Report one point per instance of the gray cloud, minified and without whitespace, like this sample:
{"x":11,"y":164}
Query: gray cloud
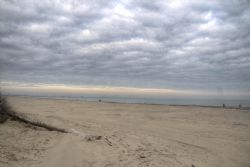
{"x":159,"y":44}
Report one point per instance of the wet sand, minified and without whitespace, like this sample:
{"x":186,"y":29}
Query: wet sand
{"x":131,"y":135}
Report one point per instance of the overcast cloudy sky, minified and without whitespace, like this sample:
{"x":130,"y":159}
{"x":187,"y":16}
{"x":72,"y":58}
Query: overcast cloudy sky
{"x":179,"y":44}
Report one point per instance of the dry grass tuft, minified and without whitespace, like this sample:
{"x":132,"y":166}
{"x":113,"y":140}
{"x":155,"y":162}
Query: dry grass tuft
{"x":6,"y":112}
{"x":4,"y":109}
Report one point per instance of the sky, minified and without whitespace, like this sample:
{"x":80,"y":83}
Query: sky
{"x":161,"y":45}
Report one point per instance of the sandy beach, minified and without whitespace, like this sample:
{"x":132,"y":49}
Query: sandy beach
{"x":127,"y":135}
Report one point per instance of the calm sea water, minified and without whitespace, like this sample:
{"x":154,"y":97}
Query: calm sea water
{"x":173,"y":101}
{"x":151,"y":100}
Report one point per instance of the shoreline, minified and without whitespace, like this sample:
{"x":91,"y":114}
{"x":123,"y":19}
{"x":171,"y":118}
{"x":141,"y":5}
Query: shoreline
{"x":137,"y":103}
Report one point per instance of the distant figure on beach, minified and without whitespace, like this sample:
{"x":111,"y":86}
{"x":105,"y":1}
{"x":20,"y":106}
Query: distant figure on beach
{"x":224,"y":105}
{"x":100,"y":100}
{"x":240,"y":106}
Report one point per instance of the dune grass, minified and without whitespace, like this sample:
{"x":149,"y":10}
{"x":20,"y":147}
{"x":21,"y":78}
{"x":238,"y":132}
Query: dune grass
{"x":6,"y":112}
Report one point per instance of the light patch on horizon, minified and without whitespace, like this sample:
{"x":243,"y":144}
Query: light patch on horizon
{"x":67,"y":90}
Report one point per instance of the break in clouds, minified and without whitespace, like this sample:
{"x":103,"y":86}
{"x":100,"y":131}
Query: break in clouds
{"x":158,"y":44}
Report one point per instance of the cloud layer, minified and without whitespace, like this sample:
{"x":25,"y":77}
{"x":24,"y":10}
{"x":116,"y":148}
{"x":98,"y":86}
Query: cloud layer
{"x":156,"y":44}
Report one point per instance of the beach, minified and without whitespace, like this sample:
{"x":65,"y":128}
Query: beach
{"x":102,"y":134}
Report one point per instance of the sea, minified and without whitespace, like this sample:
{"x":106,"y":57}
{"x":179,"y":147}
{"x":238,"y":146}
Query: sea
{"x":161,"y":100}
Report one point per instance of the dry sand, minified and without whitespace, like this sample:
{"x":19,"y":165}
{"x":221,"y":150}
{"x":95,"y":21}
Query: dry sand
{"x":132,"y":135}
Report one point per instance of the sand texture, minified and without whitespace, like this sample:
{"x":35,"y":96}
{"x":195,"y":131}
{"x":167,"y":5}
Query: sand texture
{"x":125,"y":135}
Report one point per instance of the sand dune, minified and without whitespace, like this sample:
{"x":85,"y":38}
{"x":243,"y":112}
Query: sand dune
{"x":131,"y":135}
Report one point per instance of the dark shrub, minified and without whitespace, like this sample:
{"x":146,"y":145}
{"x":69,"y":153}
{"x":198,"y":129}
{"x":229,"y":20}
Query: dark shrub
{"x":4,"y":109}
